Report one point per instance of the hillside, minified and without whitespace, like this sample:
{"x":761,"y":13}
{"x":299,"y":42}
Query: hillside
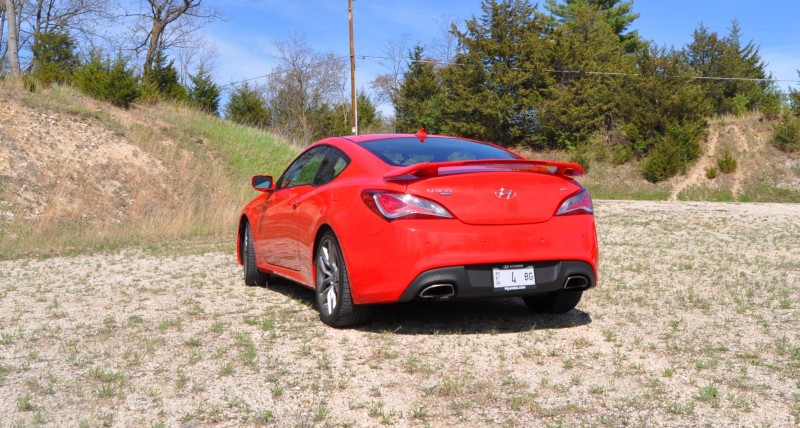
{"x":763,"y":173}
{"x":76,"y":174}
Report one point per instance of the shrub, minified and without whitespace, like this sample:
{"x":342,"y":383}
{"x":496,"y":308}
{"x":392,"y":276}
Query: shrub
{"x":726,"y":163}
{"x":711,"y":173}
{"x":54,"y":59}
{"x":161,"y":81}
{"x":204,"y":93}
{"x":673,"y":152}
{"x":108,"y":80}
{"x":740,"y":102}
{"x":580,"y":154}
{"x":247,"y":107}
{"x":786,"y":134}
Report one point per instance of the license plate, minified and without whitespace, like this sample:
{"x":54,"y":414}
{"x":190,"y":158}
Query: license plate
{"x":517,"y":278}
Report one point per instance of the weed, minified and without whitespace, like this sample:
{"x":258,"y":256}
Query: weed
{"x":226,"y":369}
{"x":709,"y":394}
{"x":24,"y":404}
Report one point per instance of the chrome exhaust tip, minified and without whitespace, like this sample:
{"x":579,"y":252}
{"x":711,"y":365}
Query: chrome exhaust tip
{"x":574,"y":282}
{"x":438,"y":291}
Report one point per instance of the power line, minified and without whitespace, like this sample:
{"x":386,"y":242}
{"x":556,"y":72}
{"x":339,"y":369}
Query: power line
{"x":585,"y":72}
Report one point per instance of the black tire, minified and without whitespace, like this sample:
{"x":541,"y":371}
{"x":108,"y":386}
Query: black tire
{"x":334,"y":301}
{"x":252,"y":276}
{"x":557,"y":302}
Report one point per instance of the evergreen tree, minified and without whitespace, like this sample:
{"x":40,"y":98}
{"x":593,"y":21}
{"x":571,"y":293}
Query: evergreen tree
{"x":616,"y":13}
{"x":336,"y":120}
{"x":204,"y":93}
{"x":665,"y":113}
{"x":714,"y":57}
{"x":417,"y":101}
{"x":54,"y":58}
{"x":108,"y":80}
{"x":794,"y":99}
{"x":161,"y":81}
{"x":248,"y":107}
{"x":493,"y":89}
{"x":585,"y":100}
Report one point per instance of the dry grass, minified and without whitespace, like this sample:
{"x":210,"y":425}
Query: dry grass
{"x":88,"y":176}
{"x":692,"y":325}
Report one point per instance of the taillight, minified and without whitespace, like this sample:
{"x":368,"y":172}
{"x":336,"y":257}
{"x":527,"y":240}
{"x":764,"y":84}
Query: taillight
{"x":403,"y":205}
{"x":578,"y":204}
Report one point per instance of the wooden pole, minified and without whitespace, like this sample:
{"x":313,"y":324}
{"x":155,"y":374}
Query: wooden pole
{"x":353,"y":71}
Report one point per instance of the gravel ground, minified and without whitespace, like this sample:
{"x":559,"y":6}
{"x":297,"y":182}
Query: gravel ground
{"x":694,"y":324}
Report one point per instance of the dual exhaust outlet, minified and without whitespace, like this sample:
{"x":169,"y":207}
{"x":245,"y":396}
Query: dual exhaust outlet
{"x":442,"y":291}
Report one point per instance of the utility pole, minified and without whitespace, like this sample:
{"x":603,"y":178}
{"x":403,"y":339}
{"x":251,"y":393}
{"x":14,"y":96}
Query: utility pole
{"x":353,"y":70}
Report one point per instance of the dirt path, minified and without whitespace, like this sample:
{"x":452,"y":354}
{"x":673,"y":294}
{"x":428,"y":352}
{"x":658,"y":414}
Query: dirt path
{"x":698,"y":172}
{"x":687,"y":328}
{"x":743,"y":148}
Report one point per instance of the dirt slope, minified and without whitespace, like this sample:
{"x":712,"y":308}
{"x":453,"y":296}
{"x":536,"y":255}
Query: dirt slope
{"x":67,"y":166}
{"x":763,"y":173}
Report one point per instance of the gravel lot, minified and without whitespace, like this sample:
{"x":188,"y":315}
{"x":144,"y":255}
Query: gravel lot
{"x":694,"y":324}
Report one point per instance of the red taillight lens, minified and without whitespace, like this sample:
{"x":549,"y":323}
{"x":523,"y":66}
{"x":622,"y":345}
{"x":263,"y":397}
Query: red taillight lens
{"x":578,"y":204}
{"x":402,"y":205}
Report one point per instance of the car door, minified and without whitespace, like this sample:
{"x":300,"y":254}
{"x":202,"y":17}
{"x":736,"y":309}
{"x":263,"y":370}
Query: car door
{"x":278,"y":226}
{"x":316,"y":203}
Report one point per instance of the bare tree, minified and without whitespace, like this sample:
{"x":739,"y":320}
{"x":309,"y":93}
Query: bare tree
{"x":166,"y":24}
{"x":444,"y":47}
{"x":304,"y":82}
{"x":78,"y":17}
{"x":204,"y":57}
{"x":385,"y":85}
{"x":12,"y":47}
{"x":2,"y":31}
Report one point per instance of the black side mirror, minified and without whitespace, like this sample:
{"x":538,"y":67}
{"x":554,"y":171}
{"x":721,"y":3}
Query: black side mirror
{"x":263,"y":183}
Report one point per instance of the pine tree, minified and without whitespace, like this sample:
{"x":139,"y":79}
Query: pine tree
{"x":204,"y":93}
{"x":584,"y":101}
{"x":417,"y":101}
{"x":54,"y":58}
{"x":794,"y":99}
{"x":108,"y":80}
{"x":715,"y":57}
{"x":492,"y":90}
{"x":247,"y":107}
{"x":618,"y":15}
{"x":161,"y":81}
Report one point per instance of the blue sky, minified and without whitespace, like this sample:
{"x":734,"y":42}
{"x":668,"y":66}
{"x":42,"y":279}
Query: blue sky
{"x":244,"y":41}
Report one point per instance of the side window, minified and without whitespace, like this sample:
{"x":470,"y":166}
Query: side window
{"x":304,"y":169}
{"x":334,"y":163}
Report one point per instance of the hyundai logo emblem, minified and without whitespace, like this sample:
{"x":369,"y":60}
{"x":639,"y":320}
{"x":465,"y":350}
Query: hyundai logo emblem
{"x":505,"y":193}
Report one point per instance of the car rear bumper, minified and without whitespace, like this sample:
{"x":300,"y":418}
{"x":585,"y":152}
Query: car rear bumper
{"x":476,"y":282}
{"x":404,"y":257}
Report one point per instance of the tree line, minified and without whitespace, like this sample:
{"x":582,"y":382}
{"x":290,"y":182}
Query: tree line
{"x":571,"y":76}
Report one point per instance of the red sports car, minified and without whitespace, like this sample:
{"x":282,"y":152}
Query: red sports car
{"x":372,"y":219}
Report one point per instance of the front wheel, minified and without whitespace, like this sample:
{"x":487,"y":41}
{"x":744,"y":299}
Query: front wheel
{"x":334,"y":301}
{"x":557,"y":302}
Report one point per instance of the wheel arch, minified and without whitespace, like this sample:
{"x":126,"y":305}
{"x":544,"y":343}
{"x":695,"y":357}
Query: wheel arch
{"x":243,"y":222}
{"x":324,"y":227}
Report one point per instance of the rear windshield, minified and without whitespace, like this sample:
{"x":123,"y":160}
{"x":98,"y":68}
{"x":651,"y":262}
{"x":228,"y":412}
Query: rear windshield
{"x":409,"y":151}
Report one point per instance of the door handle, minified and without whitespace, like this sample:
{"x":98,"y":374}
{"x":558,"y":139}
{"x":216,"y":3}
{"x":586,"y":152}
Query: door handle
{"x":294,"y":205}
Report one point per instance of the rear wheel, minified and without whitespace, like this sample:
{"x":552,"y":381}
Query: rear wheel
{"x":252,"y":276}
{"x":334,"y":301}
{"x":557,"y":302}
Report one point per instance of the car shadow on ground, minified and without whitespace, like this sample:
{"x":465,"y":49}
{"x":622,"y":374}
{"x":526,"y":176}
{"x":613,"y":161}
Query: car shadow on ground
{"x":492,"y":316}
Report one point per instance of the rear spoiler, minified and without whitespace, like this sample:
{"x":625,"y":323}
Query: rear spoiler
{"x":429,"y":169}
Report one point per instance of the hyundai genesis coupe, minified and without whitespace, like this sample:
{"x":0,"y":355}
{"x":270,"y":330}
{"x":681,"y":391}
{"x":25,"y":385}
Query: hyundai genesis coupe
{"x":373,"y":219}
